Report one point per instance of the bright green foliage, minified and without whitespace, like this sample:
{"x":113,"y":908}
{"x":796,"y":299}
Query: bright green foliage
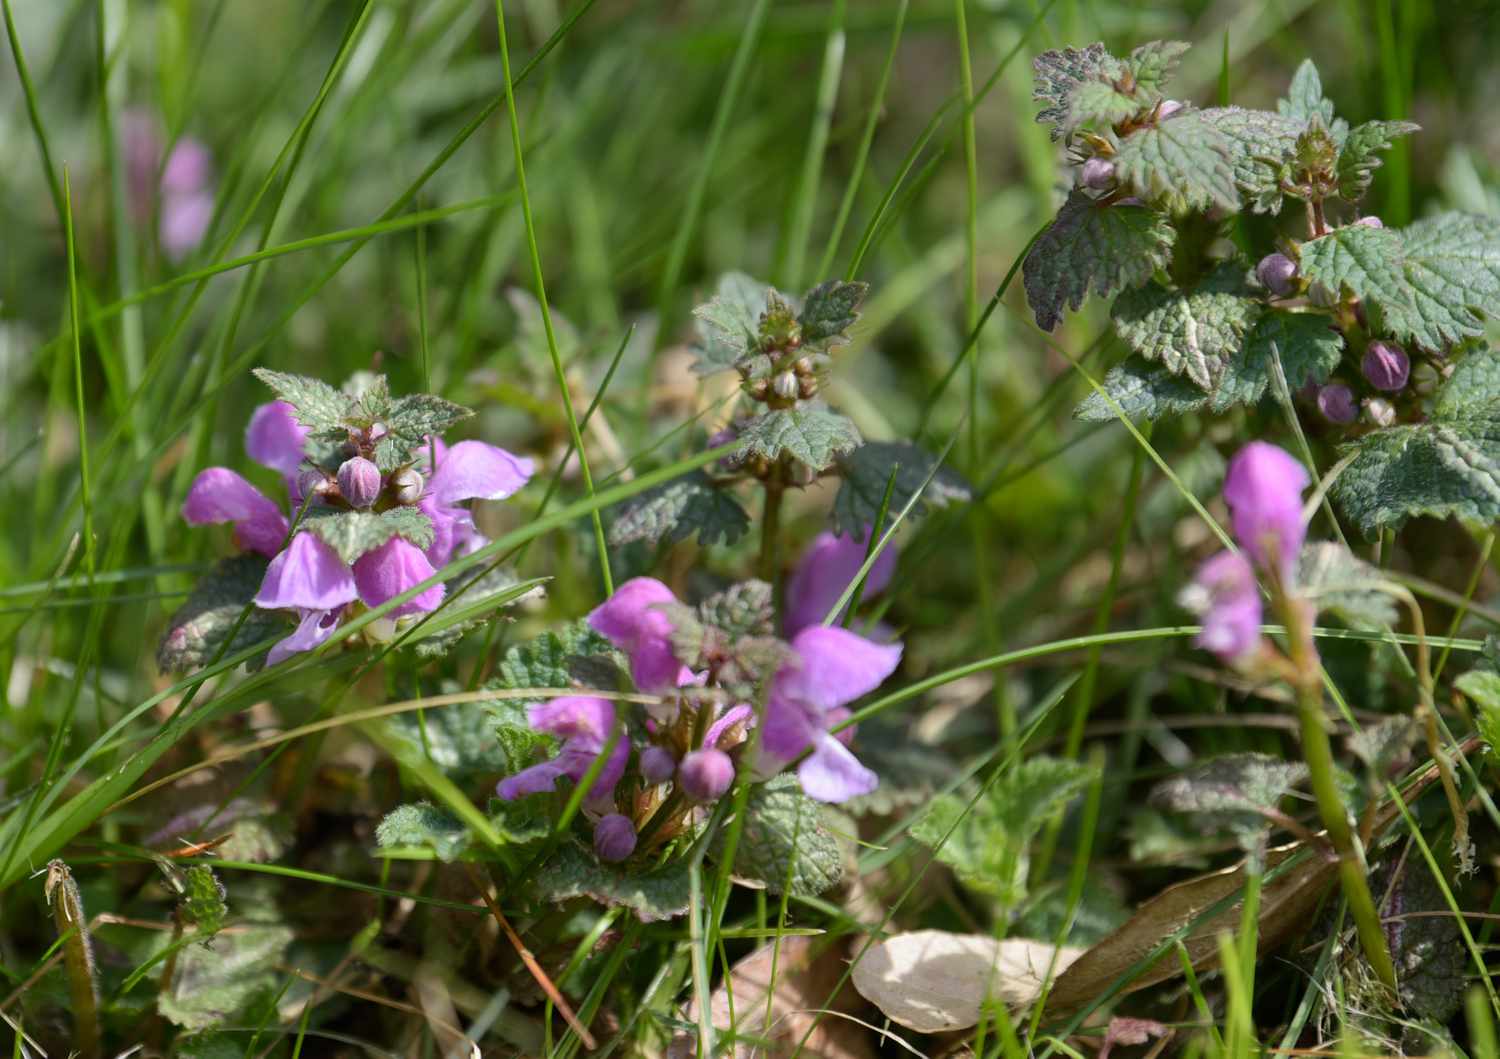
{"x":1231,"y":793}
{"x":1364,"y":261}
{"x":1192,"y":332}
{"x":1153,"y":64}
{"x":1181,"y":163}
{"x":419,"y":414}
{"x":743,"y":609}
{"x":1482,"y":685}
{"x":197,"y":631}
{"x":474,"y":596}
{"x":1343,"y":584}
{"x":867,"y":471}
{"x":811,"y":433}
{"x":353,"y":533}
{"x":203,"y":900}
{"x":1305,"y":101}
{"x":989,"y":844}
{"x":676,"y":510}
{"x":1306,"y":343}
{"x":1143,"y":391}
{"x":215,"y":983}
{"x":1260,"y":146}
{"x":1452,"y":267}
{"x":829,"y":310}
{"x":571,"y":654}
{"x":423,"y":825}
{"x":1095,"y":248}
{"x":728,"y":324}
{"x":319,"y":407}
{"x":1059,"y":74}
{"x":1089,"y":88}
{"x":1359,"y":154}
{"x":784,"y":839}
{"x":656,"y":894}
{"x":1446,"y":466}
{"x":472,"y":740}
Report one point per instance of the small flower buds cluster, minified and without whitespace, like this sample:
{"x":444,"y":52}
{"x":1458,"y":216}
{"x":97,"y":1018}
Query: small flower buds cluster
{"x":795,"y":383}
{"x":1278,"y":274}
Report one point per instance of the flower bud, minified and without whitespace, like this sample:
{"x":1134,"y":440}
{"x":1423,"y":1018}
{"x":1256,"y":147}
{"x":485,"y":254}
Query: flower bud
{"x":407,"y":485}
{"x":807,"y":387}
{"x":359,"y":481}
{"x":614,"y":837}
{"x":1336,"y":402}
{"x":657,"y":764}
{"x":1168,"y":108}
{"x":758,"y":389}
{"x":1097,"y":174}
{"x":785,"y":386}
{"x":1380,"y":411}
{"x":1371,"y":221}
{"x":1386,"y":366}
{"x":1425,"y":379}
{"x":1276,"y":273}
{"x":312,"y":482}
{"x":706,"y":774}
{"x":803,"y":366}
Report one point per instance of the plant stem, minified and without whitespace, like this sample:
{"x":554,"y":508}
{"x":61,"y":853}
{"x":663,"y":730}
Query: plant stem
{"x":770,"y":530}
{"x":78,"y":957}
{"x":1317,"y":751}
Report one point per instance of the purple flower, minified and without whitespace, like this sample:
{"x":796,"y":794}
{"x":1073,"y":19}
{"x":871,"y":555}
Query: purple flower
{"x":1097,"y":174}
{"x":1336,"y":402}
{"x":706,"y":774}
{"x":584,"y":724}
{"x":391,"y":569}
{"x":359,"y":481}
{"x":314,"y":627}
{"x":220,"y":495}
{"x":307,"y":575}
{"x":1386,"y":366}
{"x":181,"y":187}
{"x":275,"y":439}
{"x":826,"y":569}
{"x":657,"y":764}
{"x":470,"y":470}
{"x":1225,"y":595}
{"x":632,"y":619}
{"x":833,"y":667}
{"x":1276,"y":273}
{"x":614,"y":837}
{"x":1264,"y":491}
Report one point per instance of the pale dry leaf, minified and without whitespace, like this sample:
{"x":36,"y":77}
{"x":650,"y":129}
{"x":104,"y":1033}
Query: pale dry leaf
{"x":932,"y":981}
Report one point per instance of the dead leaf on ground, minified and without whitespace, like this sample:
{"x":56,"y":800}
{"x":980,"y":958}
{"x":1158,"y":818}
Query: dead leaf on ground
{"x":933,"y":981}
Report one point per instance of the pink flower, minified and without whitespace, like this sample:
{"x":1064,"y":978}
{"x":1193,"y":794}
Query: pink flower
{"x":833,"y":667}
{"x":469,"y":470}
{"x":584,"y":724}
{"x":220,"y":495}
{"x":180,"y":187}
{"x":632,"y":619}
{"x":391,"y":569}
{"x":826,"y":569}
{"x":1264,"y":491}
{"x":1225,"y":595}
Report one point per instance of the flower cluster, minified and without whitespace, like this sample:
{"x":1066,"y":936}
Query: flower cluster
{"x":307,"y":575}
{"x":698,"y":741}
{"x":1264,"y":492}
{"x":178,"y":188}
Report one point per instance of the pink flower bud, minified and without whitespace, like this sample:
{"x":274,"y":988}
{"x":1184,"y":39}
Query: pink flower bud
{"x":312,"y":482}
{"x":1371,"y":221}
{"x":1168,"y":108}
{"x":614,"y":837}
{"x":657,"y":764}
{"x":1276,"y":273}
{"x":1336,"y":402}
{"x":706,"y":774}
{"x":359,"y":481}
{"x":1380,"y":411}
{"x":1386,"y":366}
{"x":1097,"y":174}
{"x":1264,"y":491}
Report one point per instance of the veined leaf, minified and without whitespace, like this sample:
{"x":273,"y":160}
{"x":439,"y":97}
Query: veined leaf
{"x":1309,"y":348}
{"x":810,"y":433}
{"x":678,"y":509}
{"x":1261,"y":145}
{"x":353,"y":533}
{"x":728,"y":324}
{"x":318,"y":406}
{"x":867,"y":471}
{"x":1359,"y":154}
{"x":1183,"y":163}
{"x":1143,"y":390}
{"x":1192,"y":332}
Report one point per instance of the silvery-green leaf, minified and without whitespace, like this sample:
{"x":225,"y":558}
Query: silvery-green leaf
{"x":1143,"y":390}
{"x":675,"y":510}
{"x":353,"y":533}
{"x":654,"y":894}
{"x":1190,"y":332}
{"x":319,"y":407}
{"x":810,"y":433}
{"x":1307,"y":343}
{"x":1181,"y":163}
{"x":1339,"y":582}
{"x":830,"y":309}
{"x":1360,"y":151}
{"x":728,"y":325}
{"x":424,"y":826}
{"x":784,"y":836}
{"x":197,"y":631}
{"x":1261,"y":145}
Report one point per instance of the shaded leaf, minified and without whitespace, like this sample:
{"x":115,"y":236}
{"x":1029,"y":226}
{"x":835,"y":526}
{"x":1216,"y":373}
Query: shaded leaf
{"x":743,"y":609}
{"x":1058,"y":73}
{"x":932,"y":981}
{"x":202,"y":900}
{"x":1231,"y":792}
{"x":424,"y":826}
{"x":1424,"y":940}
{"x":1143,"y":390}
{"x":830,"y":309}
{"x":1339,"y":582}
{"x":811,"y":433}
{"x":1182,"y":163}
{"x":1474,"y":386}
{"x":676,"y":510}
{"x":1359,"y":154}
{"x":1192,"y":332}
{"x":214,"y":983}
{"x":867,"y":471}
{"x":657,"y":894}
{"x":1441,"y":468}
{"x":198,"y":629}
{"x":1309,"y":348}
{"x":1092,"y":248}
{"x":784,"y":835}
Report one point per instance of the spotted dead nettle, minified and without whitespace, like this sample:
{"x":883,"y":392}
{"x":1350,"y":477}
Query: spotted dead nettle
{"x":389,"y":494}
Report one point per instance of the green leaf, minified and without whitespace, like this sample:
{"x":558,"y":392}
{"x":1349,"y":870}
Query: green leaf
{"x":1364,"y":261}
{"x":1143,"y":390}
{"x":830,"y":309}
{"x":1182,"y":163}
{"x":423,"y":825}
{"x":420,"y":414}
{"x":1153,"y":63}
{"x":867,"y":471}
{"x":202,"y":902}
{"x":1482,"y":685}
{"x":1474,"y":386}
{"x":1358,"y":155}
{"x":1441,"y":468}
{"x":676,"y":510}
{"x":1099,"y":104}
{"x":353,"y":533}
{"x":1261,"y":145}
{"x":197,"y":631}
{"x":659,"y":893}
{"x":318,"y":406}
{"x":1232,"y":792}
{"x":1059,"y":73}
{"x":571,"y":655}
{"x":728,"y":325}
{"x":741,"y":610}
{"x":1305,"y":97}
{"x":1340,"y":583}
{"x":989,"y":845}
{"x":1192,"y":332}
{"x":1309,"y":348}
{"x":784,"y":833}
{"x":1452,"y":268}
{"x":1092,"y":247}
{"x":810,"y":433}
{"x":213,"y":984}
{"x":1432,"y":965}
